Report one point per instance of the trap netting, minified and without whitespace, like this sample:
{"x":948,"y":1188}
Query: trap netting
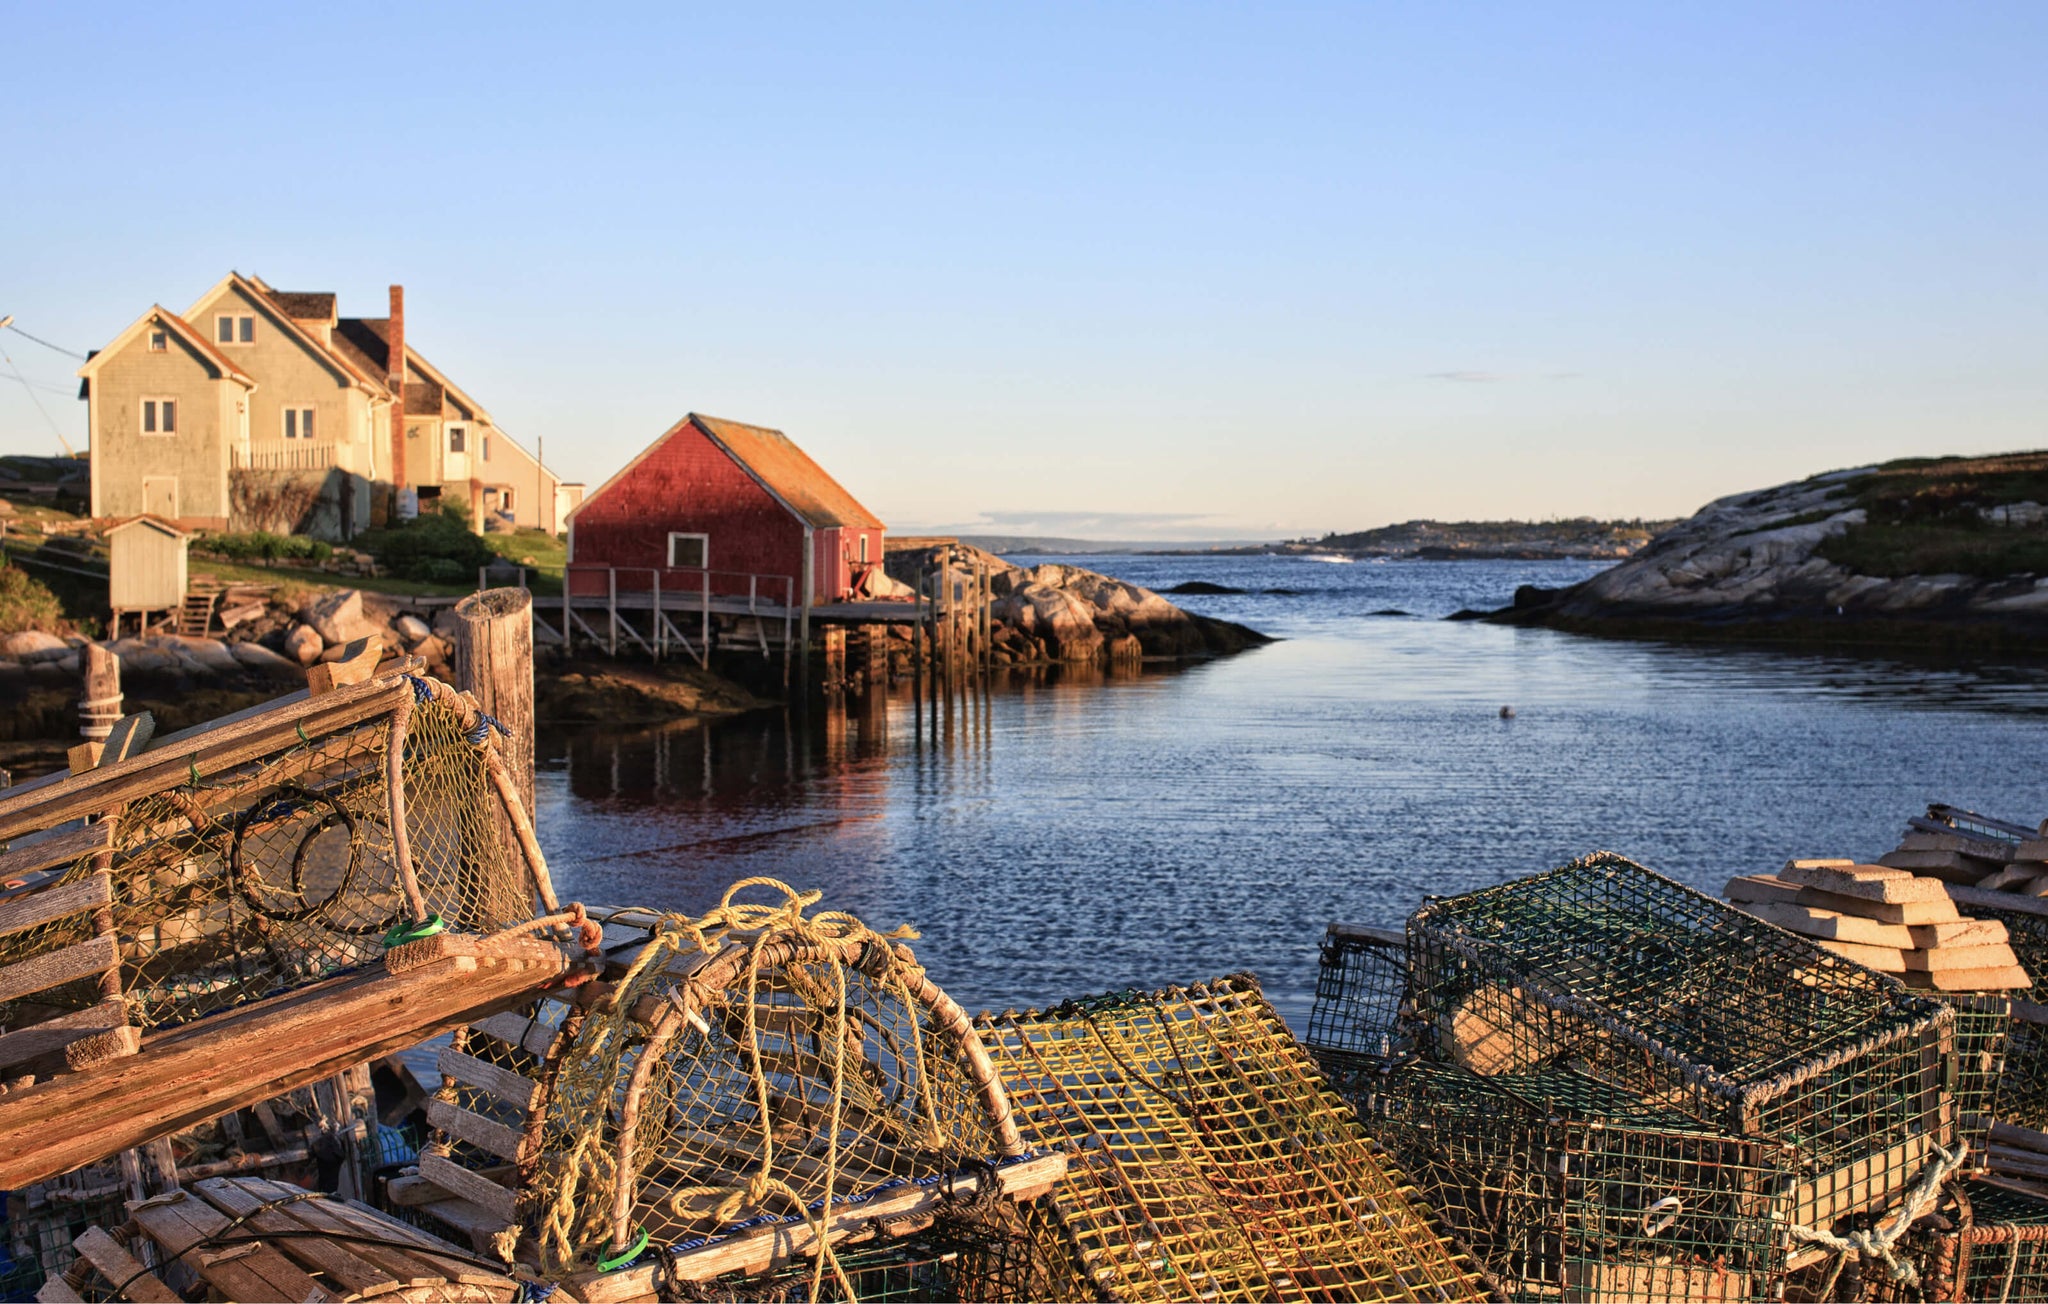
{"x":756,"y":1067}
{"x":258,"y":855}
{"x":1212,"y":1162}
{"x":1636,"y":981}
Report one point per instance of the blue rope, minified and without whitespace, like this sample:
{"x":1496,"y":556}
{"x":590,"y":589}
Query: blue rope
{"x":533,"y":1292}
{"x":485,"y":722}
{"x":422,"y":691}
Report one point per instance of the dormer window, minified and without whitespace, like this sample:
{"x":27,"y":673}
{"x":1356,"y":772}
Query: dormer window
{"x":159,"y":342}
{"x":234,"y":330}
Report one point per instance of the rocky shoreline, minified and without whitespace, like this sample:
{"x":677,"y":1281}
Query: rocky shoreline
{"x":1766,"y":566}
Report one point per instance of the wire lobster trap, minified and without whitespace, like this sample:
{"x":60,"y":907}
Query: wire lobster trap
{"x":1606,"y":968}
{"x":1213,"y":1163}
{"x":1361,"y":993}
{"x":253,"y":856}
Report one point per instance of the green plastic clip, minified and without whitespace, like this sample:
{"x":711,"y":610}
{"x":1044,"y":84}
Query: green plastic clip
{"x":626,"y":1256}
{"x":404,"y":933}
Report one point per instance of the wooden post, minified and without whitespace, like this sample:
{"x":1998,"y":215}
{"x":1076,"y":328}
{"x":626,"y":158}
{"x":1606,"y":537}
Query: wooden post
{"x":493,"y":661}
{"x":659,"y":618}
{"x":611,"y":609}
{"x":917,"y":661}
{"x":101,"y":704}
{"x":568,"y":583}
{"x":704,"y":596}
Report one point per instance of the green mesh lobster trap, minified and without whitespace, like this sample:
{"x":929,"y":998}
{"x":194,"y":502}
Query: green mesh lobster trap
{"x":1692,"y":1008}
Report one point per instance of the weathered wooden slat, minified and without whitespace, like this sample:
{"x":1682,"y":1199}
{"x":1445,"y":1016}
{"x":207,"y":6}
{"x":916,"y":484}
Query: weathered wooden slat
{"x":1983,"y":900}
{"x":202,"y":1070}
{"x":760,"y":1248}
{"x":123,"y":1271}
{"x":485,"y":1076}
{"x":58,"y":1291}
{"x":370,"y":1239}
{"x":182,"y":1221}
{"x":130,"y":735}
{"x":40,"y":973}
{"x":427,"y":1253}
{"x":530,"y":1035}
{"x":479,"y":1131}
{"x":55,"y":1034}
{"x":480,"y":1191}
{"x":57,"y":849}
{"x":24,"y":912}
{"x":221,"y":746}
{"x":346,"y":1269}
{"x":1370,"y":933}
{"x":357,"y":662}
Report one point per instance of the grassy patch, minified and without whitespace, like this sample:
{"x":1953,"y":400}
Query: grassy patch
{"x":538,"y":550}
{"x":26,"y":603}
{"x":313,"y":579}
{"x":1894,"y":550}
{"x":1925,"y":518}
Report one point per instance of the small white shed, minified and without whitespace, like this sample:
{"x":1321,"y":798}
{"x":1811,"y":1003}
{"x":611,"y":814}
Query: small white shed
{"x":146,"y":565}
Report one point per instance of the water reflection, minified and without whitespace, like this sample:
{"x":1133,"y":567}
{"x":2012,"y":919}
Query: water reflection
{"x":1068,"y":833}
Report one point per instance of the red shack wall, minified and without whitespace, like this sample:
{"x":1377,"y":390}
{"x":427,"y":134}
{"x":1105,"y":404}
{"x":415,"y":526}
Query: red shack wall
{"x":687,"y":484}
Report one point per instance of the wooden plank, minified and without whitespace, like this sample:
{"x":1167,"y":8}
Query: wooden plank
{"x":357,"y":662}
{"x":82,"y":757}
{"x":479,"y":1131}
{"x":55,"y":1034}
{"x":1811,"y":921}
{"x":480,"y":1191}
{"x":56,"y":850}
{"x":198,"y":1071}
{"x":58,"y":1291}
{"x":353,"y":1274}
{"x":1884,"y":959}
{"x":480,"y":1225}
{"x":1759,"y":887}
{"x":2027,"y":1163}
{"x":130,"y":735}
{"x":530,"y":1035}
{"x":428,"y":1253}
{"x":485,"y":1076}
{"x":1996,"y":955}
{"x":2008,"y":901}
{"x":2009,"y":978}
{"x":1906,"y":912}
{"x":87,"y":959}
{"x":1963,"y":932}
{"x":1369,"y":933}
{"x":21,"y":913}
{"x":1897,"y":887}
{"x":1856,"y":1187}
{"x":759,"y":1249}
{"x":179,"y":1221}
{"x":220,"y":746}
{"x":2022,"y":1138}
{"x":122,"y":1270}
{"x":371,"y":1238}
{"x":2006,"y":879}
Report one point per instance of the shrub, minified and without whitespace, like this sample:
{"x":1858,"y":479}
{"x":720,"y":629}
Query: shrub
{"x":438,"y":548}
{"x":262,"y":545}
{"x":26,"y":603}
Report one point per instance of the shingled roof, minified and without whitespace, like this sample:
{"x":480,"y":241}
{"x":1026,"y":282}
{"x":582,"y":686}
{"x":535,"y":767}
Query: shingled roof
{"x":305,"y":305}
{"x":789,"y":473}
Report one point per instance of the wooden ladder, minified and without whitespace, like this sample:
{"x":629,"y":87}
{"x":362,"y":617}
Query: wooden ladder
{"x":195,"y":618}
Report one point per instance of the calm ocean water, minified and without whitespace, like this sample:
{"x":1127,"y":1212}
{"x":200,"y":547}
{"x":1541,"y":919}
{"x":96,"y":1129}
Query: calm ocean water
{"x":1078,"y":835}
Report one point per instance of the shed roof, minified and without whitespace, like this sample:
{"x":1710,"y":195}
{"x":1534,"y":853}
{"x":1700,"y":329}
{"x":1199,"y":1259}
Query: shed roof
{"x":788,"y":472}
{"x":154,"y":522}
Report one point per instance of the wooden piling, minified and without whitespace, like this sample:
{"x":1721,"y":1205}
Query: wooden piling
{"x":493,"y":661}
{"x":100,"y":705}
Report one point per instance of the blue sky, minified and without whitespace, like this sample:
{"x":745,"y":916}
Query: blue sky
{"x":1192,"y":270}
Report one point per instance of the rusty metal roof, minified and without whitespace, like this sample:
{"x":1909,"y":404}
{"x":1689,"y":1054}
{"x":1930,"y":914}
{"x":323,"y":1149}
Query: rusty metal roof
{"x":789,"y":473}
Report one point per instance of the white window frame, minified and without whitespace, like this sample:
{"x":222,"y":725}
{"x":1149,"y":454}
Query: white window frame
{"x":159,"y":341}
{"x":149,"y":416}
{"x":241,"y":328}
{"x":460,"y":433}
{"x":305,"y":422}
{"x":703,"y":549}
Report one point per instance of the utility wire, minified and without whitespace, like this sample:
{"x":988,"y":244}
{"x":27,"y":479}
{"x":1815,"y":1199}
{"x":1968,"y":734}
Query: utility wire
{"x":43,"y":385}
{"x":69,"y":353}
{"x":61,"y":440}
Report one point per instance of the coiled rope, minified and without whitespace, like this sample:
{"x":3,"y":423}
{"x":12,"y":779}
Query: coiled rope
{"x":1878,"y":1241}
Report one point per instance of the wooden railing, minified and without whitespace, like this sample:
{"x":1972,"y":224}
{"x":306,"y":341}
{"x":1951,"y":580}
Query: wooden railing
{"x":305,"y":457}
{"x":666,"y":589}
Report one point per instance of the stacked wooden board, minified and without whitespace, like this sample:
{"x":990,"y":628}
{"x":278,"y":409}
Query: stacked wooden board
{"x":1974,"y":850}
{"x":2019,"y":1158}
{"x":1886,"y":918}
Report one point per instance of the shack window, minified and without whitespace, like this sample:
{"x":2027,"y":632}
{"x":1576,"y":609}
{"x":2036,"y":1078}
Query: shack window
{"x":159,"y":416}
{"x":863,"y":549}
{"x":456,"y":438}
{"x":689,"y":551}
{"x":298,"y":423}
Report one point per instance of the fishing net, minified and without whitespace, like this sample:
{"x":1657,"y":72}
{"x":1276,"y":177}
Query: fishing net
{"x":1631,"y":979}
{"x":259,"y":855}
{"x":759,"y":1067}
{"x":1212,"y":1162}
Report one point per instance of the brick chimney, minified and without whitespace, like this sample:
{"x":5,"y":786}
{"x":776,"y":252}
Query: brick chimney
{"x":395,"y":380}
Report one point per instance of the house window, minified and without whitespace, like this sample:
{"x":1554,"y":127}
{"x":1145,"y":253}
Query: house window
{"x":234,"y":330}
{"x":159,"y":342}
{"x":504,"y":498}
{"x":689,"y":551}
{"x":457,"y":438}
{"x":159,"y":416}
{"x":484,"y":443}
{"x":298,"y":423}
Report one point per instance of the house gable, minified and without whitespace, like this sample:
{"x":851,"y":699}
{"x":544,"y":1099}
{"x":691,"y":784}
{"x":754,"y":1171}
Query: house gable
{"x":238,"y":296}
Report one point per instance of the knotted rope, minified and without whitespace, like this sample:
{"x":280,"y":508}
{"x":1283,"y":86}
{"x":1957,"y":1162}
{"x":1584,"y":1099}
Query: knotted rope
{"x":1877,"y":1242}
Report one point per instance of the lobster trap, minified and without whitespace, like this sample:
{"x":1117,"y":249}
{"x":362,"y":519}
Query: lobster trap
{"x":1212,"y":1161}
{"x":742,"y":1091}
{"x":1361,"y":987}
{"x":1687,"y":1005}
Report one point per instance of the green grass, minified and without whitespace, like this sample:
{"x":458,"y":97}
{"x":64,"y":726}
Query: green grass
{"x":549,"y":555}
{"x":1895,"y":550}
{"x":1924,"y":518}
{"x":283,"y":575}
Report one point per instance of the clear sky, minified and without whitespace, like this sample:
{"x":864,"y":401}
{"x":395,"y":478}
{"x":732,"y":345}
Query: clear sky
{"x":1113,"y":270}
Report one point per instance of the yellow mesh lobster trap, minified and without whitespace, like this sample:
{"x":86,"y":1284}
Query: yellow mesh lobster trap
{"x":1212,"y":1162}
